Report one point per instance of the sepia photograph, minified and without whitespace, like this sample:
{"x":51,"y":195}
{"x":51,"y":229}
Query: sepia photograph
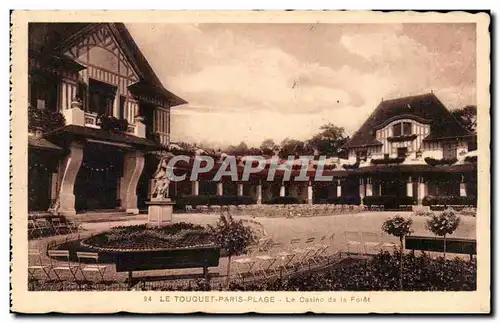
{"x":200,"y":155}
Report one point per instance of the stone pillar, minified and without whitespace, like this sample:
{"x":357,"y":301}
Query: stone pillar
{"x":239,"y":189}
{"x":339,"y":189}
{"x":422,"y":190}
{"x":220,"y":189}
{"x":362,"y":189}
{"x":309,"y":193}
{"x":132,"y":168}
{"x":409,"y":187}
{"x":369,"y":187}
{"x":258,"y":193}
{"x":282,"y":190}
{"x":53,"y":187}
{"x":195,"y":188}
{"x":68,"y":170}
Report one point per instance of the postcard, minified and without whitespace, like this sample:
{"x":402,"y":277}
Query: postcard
{"x":258,"y":161}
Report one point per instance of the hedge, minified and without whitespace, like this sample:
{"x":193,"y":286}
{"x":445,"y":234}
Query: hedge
{"x":346,"y":200}
{"x":430,"y":200}
{"x":195,"y":200}
{"x":388,"y":201}
{"x":283,"y":200}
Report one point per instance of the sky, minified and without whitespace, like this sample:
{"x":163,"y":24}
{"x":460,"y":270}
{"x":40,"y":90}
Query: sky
{"x":249,"y":82}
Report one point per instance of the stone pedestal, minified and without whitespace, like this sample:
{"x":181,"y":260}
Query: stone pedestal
{"x":160,"y":212}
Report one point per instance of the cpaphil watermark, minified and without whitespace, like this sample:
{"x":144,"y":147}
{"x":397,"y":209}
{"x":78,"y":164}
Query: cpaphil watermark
{"x":303,"y":168}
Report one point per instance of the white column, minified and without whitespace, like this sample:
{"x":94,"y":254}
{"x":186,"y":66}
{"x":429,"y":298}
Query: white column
{"x":239,"y":189}
{"x":422,"y":190}
{"x":133,"y":164}
{"x":463,"y":189}
{"x":309,"y":194}
{"x":339,"y":189}
{"x":369,"y":187}
{"x":68,"y":170}
{"x":220,"y":189}
{"x":195,"y":188}
{"x":361,"y":190}
{"x":409,"y":187}
{"x":282,"y":190}
{"x":258,"y":193}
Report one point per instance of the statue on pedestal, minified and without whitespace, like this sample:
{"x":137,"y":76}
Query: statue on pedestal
{"x":161,"y":181}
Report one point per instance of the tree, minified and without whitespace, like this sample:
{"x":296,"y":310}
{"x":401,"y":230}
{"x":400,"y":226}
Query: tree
{"x":267,"y":147}
{"x":442,"y":224}
{"x":467,"y":117}
{"x":399,"y":227}
{"x":292,"y":147}
{"x":233,"y":237}
{"x":329,"y":141}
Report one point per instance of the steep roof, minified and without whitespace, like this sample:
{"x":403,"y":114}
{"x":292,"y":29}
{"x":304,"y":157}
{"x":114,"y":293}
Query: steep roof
{"x":425,"y":108}
{"x":55,"y":34}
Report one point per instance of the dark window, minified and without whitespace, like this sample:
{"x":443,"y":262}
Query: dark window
{"x":396,"y":130}
{"x":406,"y":128}
{"x":43,"y":91}
{"x":121,"y":111}
{"x":386,"y":156}
{"x":102,"y":96}
{"x":402,"y":152}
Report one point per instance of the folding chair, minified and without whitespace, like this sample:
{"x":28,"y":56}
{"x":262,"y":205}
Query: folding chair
{"x":59,"y":227}
{"x":371,"y":241}
{"x":94,"y":266}
{"x":32,"y":228}
{"x":63,"y":266}
{"x":305,"y":252}
{"x":266,"y":261}
{"x":36,"y":264}
{"x":353,"y":239}
{"x":43,"y":226}
{"x":288,"y":255}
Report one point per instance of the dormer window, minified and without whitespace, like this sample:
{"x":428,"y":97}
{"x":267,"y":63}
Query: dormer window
{"x":401,"y":129}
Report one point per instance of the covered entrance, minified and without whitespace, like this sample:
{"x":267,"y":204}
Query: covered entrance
{"x":97,"y":184}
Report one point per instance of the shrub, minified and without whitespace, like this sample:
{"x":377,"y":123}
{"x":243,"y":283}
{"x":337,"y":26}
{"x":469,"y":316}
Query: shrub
{"x":430,"y":200}
{"x":439,"y":162}
{"x":113,"y":124}
{"x":380,"y":273}
{"x":385,"y":161}
{"x":351,"y":166}
{"x":283,"y":200}
{"x":45,"y":119}
{"x":471,"y":159}
{"x":388,"y":201}
{"x":443,"y":224}
{"x":233,"y":237}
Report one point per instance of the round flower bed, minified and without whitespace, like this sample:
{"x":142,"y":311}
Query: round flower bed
{"x":141,"y":237}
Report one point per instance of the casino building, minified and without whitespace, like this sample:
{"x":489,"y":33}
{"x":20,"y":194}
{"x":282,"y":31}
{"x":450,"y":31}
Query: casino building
{"x":96,"y":77}
{"x":99,"y":116}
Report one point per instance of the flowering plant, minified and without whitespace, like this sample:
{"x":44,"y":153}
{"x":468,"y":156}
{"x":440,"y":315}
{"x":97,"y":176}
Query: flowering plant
{"x":442,"y":224}
{"x":398,"y":227}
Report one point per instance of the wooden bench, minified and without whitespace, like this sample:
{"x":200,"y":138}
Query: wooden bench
{"x":436,"y":244}
{"x":183,"y":258}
